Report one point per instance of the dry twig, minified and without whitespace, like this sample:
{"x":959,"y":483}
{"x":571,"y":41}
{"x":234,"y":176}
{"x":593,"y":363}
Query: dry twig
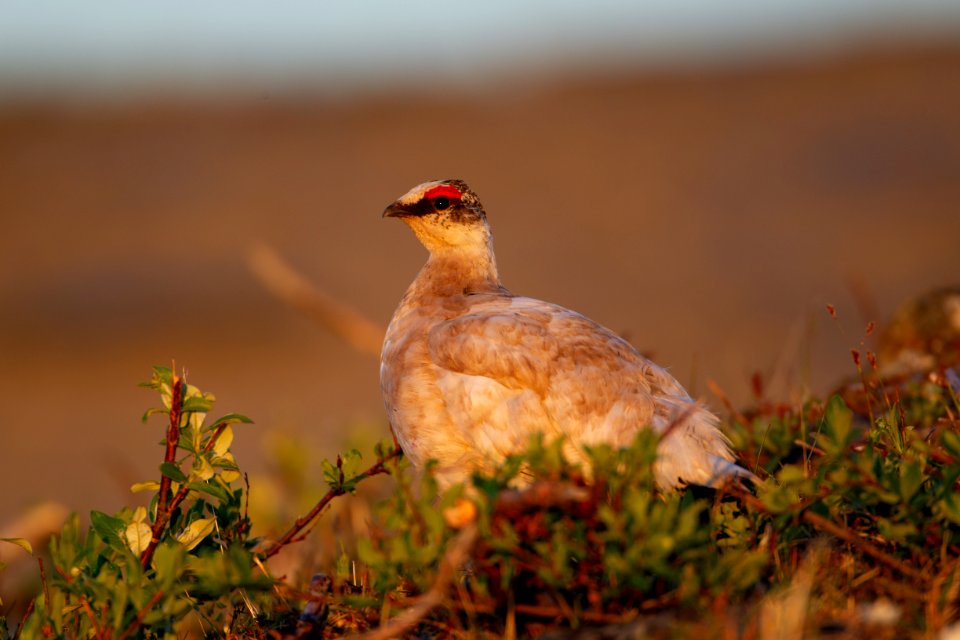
{"x":456,"y":554}
{"x":377,"y":468}
{"x":286,"y":283}
{"x":141,"y":614}
{"x":841,"y":532}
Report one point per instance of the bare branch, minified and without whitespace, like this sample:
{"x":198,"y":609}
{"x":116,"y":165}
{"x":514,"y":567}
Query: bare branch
{"x":453,"y":559}
{"x":138,"y":621}
{"x":377,"y":468}
{"x":841,"y":532}
{"x":283,"y":281}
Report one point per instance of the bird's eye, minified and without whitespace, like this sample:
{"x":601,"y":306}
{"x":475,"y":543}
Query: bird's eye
{"x":441,"y":203}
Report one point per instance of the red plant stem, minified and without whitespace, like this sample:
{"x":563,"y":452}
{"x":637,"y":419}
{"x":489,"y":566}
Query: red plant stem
{"x":184,"y":490}
{"x":376,"y":469}
{"x":138,"y":621}
{"x":213,"y":439}
{"x":93,"y":620}
{"x":164,"y":506}
{"x":173,"y":438}
{"x":23,"y":620}
{"x":46,"y":589}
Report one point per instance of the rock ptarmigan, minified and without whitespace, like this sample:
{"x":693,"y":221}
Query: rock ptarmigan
{"x":469,"y":371}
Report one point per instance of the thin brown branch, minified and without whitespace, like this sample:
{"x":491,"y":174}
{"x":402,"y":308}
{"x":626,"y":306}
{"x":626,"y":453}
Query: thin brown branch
{"x":283,"y":281}
{"x":379,"y":467}
{"x":453,"y":558}
{"x":93,"y":619}
{"x":555,"y":612}
{"x":716,"y":390}
{"x":141,"y":614}
{"x":46,"y":588}
{"x":219,"y":429}
{"x":23,"y":619}
{"x":843,"y":533}
{"x":809,"y":447}
{"x":849,"y":536}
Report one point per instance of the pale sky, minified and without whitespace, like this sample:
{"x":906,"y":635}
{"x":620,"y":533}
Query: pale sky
{"x":118,"y":45}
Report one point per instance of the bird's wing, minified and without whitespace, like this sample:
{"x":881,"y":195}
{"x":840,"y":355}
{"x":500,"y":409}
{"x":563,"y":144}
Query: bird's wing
{"x":522,"y":343}
{"x":526,"y":366}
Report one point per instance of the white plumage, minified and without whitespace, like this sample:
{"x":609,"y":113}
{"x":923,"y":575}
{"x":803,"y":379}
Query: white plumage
{"x":468,"y":370}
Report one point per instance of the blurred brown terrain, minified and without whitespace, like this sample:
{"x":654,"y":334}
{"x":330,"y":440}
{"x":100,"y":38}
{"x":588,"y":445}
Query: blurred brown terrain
{"x":708,"y":216}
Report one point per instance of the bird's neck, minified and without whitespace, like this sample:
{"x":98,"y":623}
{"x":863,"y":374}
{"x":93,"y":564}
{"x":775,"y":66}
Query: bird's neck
{"x":459,"y":269}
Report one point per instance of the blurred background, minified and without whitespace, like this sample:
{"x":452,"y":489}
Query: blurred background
{"x":702,"y":177}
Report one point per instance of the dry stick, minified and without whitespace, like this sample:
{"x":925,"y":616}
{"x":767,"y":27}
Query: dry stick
{"x":84,"y":604}
{"x":23,"y":620}
{"x":46,"y":589}
{"x":376,"y":469}
{"x":170,"y":456}
{"x":725,"y":400}
{"x":841,"y":532}
{"x":93,"y":619}
{"x":138,"y":621}
{"x":286,"y":283}
{"x":849,"y":536}
{"x":546,"y":611}
{"x":454,"y":557}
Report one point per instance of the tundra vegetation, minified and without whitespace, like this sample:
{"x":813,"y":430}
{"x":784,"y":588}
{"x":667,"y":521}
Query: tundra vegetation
{"x":853,"y":528}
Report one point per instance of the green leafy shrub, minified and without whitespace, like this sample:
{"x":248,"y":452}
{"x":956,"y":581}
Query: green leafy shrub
{"x":857,"y":507}
{"x":142,"y":572}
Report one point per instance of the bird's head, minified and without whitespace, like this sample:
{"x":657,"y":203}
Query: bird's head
{"x":444,"y":214}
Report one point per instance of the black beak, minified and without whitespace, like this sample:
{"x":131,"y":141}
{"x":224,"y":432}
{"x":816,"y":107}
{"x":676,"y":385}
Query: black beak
{"x":396,"y":210}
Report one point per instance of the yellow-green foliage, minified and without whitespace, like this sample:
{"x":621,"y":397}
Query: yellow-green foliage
{"x":856,"y":509}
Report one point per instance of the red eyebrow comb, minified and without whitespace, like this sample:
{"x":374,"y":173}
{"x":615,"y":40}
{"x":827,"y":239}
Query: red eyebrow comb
{"x":443,"y":190}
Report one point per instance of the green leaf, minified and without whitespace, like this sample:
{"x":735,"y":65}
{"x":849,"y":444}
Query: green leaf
{"x":149,"y":485}
{"x":331,"y":474}
{"x":137,"y":535}
{"x":168,"y":561}
{"x":196,"y":531}
{"x":202,"y":470}
{"x":951,"y":442}
{"x":210,"y":489}
{"x":351,"y":460}
{"x":837,"y":426}
{"x":108,"y":528}
{"x":23,"y":543}
{"x":911,"y":479}
{"x":950,"y":507}
{"x":152,"y":411}
{"x":161,"y":376}
{"x":223,"y":442}
{"x":231,"y":418}
{"x":173,"y":472}
{"x":200,"y":404}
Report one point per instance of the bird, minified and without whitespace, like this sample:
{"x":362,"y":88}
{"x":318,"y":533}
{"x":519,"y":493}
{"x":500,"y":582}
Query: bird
{"x":469,"y":371}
